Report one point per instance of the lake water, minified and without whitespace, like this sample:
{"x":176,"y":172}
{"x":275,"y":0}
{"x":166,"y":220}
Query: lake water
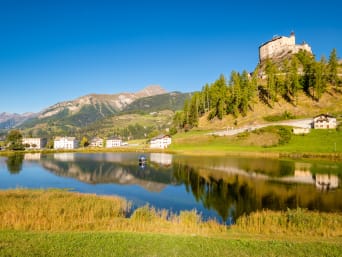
{"x":218,"y":187}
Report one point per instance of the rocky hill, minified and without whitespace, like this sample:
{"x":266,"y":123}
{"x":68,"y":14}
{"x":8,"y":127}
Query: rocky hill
{"x":102,"y":105}
{"x":10,"y":120}
{"x":96,"y":114}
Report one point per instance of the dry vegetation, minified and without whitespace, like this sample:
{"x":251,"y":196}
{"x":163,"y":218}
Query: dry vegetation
{"x":56,"y":210}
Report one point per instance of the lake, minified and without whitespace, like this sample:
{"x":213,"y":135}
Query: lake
{"x":218,"y":187}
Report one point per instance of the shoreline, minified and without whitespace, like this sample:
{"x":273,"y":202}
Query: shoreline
{"x":262,"y":154}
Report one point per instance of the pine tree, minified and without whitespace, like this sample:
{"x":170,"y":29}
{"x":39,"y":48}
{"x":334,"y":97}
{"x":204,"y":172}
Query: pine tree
{"x":294,"y":81}
{"x":271,"y":80}
{"x":332,"y":68}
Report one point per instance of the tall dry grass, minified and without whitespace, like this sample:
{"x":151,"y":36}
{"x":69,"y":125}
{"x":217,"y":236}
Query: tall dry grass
{"x":291,"y":222}
{"x":57,"y":210}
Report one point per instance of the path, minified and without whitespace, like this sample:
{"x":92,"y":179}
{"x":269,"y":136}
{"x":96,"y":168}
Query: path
{"x":302,"y":123}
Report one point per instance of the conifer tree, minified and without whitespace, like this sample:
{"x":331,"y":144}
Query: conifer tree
{"x":332,"y":68}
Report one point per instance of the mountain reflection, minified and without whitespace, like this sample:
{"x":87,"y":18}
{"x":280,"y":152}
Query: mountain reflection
{"x":104,"y":170}
{"x":229,"y":186}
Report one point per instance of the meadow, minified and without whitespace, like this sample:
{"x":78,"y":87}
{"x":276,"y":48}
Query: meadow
{"x":316,"y":144}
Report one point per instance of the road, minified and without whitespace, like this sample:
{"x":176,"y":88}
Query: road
{"x":302,"y":123}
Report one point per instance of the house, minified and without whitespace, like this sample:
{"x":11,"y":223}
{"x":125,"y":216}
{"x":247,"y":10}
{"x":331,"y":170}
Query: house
{"x":161,"y":142}
{"x":324,"y":121}
{"x":113,"y":142}
{"x":34,"y":142}
{"x":65,"y":143}
{"x":96,"y":142}
{"x":301,"y":131}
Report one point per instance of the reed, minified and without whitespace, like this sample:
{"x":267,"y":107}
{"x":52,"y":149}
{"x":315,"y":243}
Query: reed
{"x":291,"y":222}
{"x":58,"y":210}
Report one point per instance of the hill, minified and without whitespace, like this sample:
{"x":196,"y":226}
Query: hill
{"x":331,"y":102}
{"x":121,"y":114}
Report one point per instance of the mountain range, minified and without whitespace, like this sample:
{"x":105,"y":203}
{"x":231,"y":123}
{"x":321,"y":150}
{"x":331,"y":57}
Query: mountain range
{"x":88,"y":109}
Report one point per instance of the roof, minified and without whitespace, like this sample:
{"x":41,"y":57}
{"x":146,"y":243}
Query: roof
{"x":67,"y":138}
{"x":160,"y":137}
{"x":113,"y":138}
{"x":325,"y":115}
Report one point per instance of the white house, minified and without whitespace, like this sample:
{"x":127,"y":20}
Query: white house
{"x":300,"y":131}
{"x":160,"y":142}
{"x":324,"y":121}
{"x":34,"y":143}
{"x":113,"y":142}
{"x":65,"y":143}
{"x":96,"y":142}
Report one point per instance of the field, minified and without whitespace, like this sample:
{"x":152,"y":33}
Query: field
{"x":318,"y":143}
{"x":61,"y":223}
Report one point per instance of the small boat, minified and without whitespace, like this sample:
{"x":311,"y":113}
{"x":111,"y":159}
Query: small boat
{"x":142,"y":159}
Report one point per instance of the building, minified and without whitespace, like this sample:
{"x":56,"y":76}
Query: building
{"x":326,"y":181}
{"x":161,"y":158}
{"x":161,"y":142}
{"x":65,"y":143}
{"x":324,"y":121}
{"x":301,"y":131}
{"x":113,"y":142}
{"x":280,"y":46}
{"x":34,"y":143}
{"x":96,"y":142}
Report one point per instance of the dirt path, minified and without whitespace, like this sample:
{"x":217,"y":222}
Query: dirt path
{"x":302,"y":123}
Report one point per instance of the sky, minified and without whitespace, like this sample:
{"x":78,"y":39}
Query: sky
{"x":59,"y":50}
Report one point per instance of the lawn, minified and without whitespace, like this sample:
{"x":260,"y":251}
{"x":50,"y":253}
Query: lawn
{"x":16,"y":243}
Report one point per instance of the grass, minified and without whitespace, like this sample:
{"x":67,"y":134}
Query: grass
{"x":318,"y":143}
{"x":15,"y":243}
{"x":61,"y":223}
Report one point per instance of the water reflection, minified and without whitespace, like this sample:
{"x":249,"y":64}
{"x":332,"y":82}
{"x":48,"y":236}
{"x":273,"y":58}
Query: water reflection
{"x":106,"y":169}
{"x":15,"y":163}
{"x":229,"y":186}
{"x":234,"y":193}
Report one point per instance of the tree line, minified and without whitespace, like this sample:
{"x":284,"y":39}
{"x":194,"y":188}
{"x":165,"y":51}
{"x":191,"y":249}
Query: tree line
{"x":270,"y":81}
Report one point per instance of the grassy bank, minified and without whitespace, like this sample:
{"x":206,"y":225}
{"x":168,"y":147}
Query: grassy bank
{"x":61,"y":223}
{"x":318,"y":144}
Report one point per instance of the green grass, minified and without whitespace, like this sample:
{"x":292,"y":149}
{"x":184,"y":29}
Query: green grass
{"x":317,"y":142}
{"x":15,"y":243}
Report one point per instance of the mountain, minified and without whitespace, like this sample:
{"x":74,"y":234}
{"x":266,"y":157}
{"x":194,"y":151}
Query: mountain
{"x":170,"y":101}
{"x":87,"y":109}
{"x":144,"y":111}
{"x":11,"y":120}
{"x":101,"y":105}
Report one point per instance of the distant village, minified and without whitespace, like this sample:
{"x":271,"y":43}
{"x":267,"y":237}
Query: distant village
{"x":322,"y":121}
{"x":159,"y":142}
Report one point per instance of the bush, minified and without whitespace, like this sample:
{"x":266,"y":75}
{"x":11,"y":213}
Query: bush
{"x":284,"y":116}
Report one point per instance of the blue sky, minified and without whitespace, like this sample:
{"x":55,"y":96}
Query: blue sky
{"x":52,"y":51}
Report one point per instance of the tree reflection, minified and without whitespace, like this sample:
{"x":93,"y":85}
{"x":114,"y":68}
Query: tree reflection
{"x":15,"y":163}
{"x":233,"y":195}
{"x":228,"y":198}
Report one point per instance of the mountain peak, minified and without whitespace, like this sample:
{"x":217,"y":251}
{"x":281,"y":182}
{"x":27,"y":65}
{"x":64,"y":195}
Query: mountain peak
{"x":151,"y":90}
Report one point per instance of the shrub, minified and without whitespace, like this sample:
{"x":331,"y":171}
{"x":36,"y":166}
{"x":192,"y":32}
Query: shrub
{"x":284,"y":116}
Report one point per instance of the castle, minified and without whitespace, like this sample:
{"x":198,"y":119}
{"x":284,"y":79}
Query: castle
{"x":280,"y":46}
